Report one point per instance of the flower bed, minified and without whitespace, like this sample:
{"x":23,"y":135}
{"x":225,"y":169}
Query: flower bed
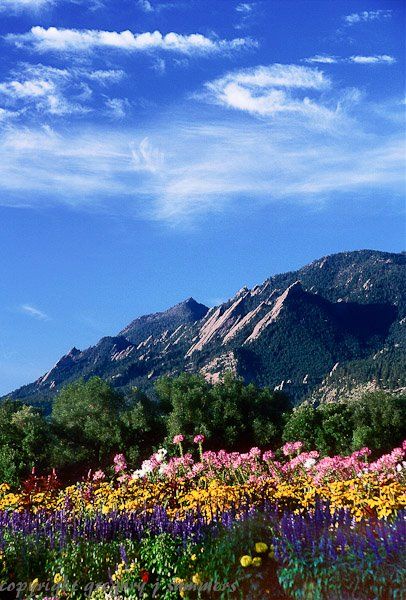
{"x":223,"y":525}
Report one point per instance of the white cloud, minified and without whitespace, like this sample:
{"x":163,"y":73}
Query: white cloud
{"x":43,"y":94}
{"x":245,"y":7}
{"x":84,"y":40}
{"x":247,"y":12}
{"x":159,"y":66}
{"x":117,"y":107}
{"x":371,"y":60}
{"x":36,"y":6}
{"x":53,"y":91}
{"x":31,"y":311}
{"x":292,"y":137}
{"x":5,"y":114}
{"x":27,"y":89}
{"x":268,"y":90}
{"x":323,"y":59}
{"x":103,"y":76}
{"x":19,"y":5}
{"x":147,"y":158}
{"x":367,"y":15}
{"x":184,"y":168}
{"x":145,"y":5}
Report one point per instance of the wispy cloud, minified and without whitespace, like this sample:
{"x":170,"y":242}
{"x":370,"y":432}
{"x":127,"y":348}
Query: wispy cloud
{"x":146,"y":157}
{"x":85,"y":40}
{"x":53,"y":91}
{"x":269,"y":90}
{"x":375,"y":59}
{"x":286,"y":133}
{"x":117,"y":107}
{"x":324,"y":59}
{"x":367,"y":15}
{"x":38,"y":6}
{"x":181,"y":170}
{"x":34,"y":312}
{"x":20,"y":5}
{"x":5,"y":114}
{"x":246,"y":12}
{"x":145,"y":5}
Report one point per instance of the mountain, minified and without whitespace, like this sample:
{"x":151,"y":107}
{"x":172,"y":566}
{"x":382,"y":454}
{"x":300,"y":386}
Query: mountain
{"x":335,"y":324}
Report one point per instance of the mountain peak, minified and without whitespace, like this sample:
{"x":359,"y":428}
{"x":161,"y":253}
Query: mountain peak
{"x":187,"y":311}
{"x":302,"y":323}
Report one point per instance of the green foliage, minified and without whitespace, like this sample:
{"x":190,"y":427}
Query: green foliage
{"x":162,"y":556}
{"x":88,"y":412}
{"x":24,"y":440}
{"x":91,"y":421}
{"x":312,"y":578}
{"x":377,"y":420}
{"x":229,"y":413}
{"x":380,"y":421}
{"x":142,"y":426}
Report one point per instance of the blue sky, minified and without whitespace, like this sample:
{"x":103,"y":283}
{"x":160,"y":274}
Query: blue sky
{"x":155,"y":150}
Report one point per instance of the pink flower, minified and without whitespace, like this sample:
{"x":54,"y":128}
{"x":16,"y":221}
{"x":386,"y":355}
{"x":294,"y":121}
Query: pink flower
{"x":119,"y":463}
{"x":268,"y":455}
{"x":98,"y":475}
{"x":178,"y":439}
{"x":199,"y":439}
{"x":292,"y":447}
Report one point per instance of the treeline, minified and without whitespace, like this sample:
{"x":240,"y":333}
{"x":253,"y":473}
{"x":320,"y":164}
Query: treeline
{"x":90,"y":421}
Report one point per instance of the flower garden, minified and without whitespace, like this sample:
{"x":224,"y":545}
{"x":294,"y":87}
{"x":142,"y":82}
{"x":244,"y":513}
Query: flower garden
{"x":206,"y":524}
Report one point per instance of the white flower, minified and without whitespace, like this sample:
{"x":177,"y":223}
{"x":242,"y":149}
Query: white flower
{"x":399,"y":468}
{"x":309,"y":463}
{"x":147,"y":466}
{"x":137,"y":474}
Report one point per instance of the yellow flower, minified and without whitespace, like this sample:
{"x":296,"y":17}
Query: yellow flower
{"x":193,"y":557}
{"x":58,"y":578}
{"x":271,"y":552}
{"x":197,"y":579}
{"x":246,"y":561}
{"x":261,"y":547}
{"x":34,"y":584}
{"x":256,"y":562}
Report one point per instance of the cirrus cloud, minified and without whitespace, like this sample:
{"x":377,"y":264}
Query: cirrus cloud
{"x":34,"y":312}
{"x":52,"y":90}
{"x":375,"y":59}
{"x":367,"y":15}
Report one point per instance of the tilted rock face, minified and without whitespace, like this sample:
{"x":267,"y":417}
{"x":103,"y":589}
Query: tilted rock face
{"x":273,"y":314}
{"x":341,"y":316}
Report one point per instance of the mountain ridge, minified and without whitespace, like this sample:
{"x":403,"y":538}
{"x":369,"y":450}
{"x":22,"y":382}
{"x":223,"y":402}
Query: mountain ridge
{"x":294,"y":327}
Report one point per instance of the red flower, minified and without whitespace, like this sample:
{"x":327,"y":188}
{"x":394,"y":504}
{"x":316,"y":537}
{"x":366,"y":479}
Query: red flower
{"x":144,"y":575}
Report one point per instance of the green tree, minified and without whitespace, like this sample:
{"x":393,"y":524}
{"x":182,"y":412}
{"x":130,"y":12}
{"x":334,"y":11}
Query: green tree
{"x":187,"y":400}
{"x":142,"y":426}
{"x":229,"y":413}
{"x":380,"y":421}
{"x":24,"y":440}
{"x":303,"y":425}
{"x":336,"y":424}
{"x":86,"y":415}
